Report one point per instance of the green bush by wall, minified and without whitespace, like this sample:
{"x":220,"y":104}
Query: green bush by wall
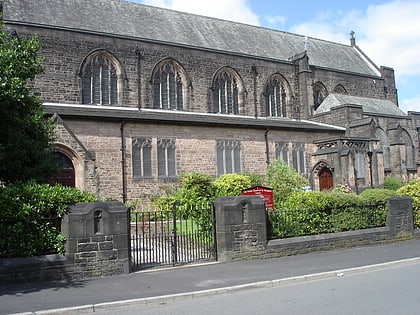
{"x":30,"y":218}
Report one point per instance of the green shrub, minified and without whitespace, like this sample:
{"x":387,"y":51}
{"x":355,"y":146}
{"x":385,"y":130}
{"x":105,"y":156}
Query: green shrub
{"x":337,"y":200}
{"x":354,"y":212}
{"x":196,"y":188}
{"x":306,"y":213}
{"x":283,"y":180}
{"x":193,"y":194}
{"x":412,"y":190}
{"x":301,"y":213}
{"x":231,"y":184}
{"x":392,"y":183}
{"x":377,"y":195}
{"x":256,"y":180}
{"x":30,"y":218}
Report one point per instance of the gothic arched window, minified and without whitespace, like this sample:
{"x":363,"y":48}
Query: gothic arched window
{"x":226,"y":92}
{"x":276,"y":97}
{"x":339,"y":89}
{"x":100,"y":77}
{"x":168,"y":86}
{"x":409,"y":150}
{"x":320,"y":93}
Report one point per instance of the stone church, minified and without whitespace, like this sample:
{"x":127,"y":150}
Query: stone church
{"x":141,"y":95}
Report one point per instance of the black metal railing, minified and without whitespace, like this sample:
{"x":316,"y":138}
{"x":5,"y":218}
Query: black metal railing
{"x":30,"y":236}
{"x":172,"y":236}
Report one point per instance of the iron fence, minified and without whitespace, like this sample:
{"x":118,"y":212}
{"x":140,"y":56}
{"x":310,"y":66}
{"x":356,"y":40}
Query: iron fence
{"x":172,"y":236}
{"x":30,"y":236}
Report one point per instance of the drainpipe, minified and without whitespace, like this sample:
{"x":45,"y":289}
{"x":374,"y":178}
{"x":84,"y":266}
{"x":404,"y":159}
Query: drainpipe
{"x":124,"y":184}
{"x":267,"y":150}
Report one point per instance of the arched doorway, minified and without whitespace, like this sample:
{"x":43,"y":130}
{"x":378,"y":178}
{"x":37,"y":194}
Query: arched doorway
{"x":66,"y":173}
{"x":325,"y":179}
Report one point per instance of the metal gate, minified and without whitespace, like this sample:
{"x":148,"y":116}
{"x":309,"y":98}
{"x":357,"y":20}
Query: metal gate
{"x":175,"y":236}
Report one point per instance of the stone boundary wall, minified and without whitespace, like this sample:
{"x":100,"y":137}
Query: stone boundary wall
{"x":323,"y":242}
{"x":98,"y":239}
{"x":236,"y":239}
{"x":97,"y":245}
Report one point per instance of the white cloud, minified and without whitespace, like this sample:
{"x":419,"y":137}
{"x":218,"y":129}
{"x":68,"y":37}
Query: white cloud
{"x":277,"y":21}
{"x":412,"y":104}
{"x":391,"y":34}
{"x":233,"y":10}
{"x":388,"y":33}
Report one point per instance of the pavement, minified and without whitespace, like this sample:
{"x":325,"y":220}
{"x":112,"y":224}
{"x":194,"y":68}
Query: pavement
{"x":191,"y":281}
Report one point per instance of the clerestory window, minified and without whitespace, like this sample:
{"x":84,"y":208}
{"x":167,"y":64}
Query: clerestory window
{"x":275,"y":98}
{"x":100,"y":80}
{"x":226,"y":94}
{"x":168,"y":87}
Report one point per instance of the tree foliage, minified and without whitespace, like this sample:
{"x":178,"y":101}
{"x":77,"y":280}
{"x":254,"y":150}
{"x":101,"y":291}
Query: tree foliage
{"x":25,"y":136}
{"x":283,"y":180}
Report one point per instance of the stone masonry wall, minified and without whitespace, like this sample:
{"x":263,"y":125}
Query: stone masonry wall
{"x":97,"y":245}
{"x":191,"y":141}
{"x":65,"y":51}
{"x":242,"y":239}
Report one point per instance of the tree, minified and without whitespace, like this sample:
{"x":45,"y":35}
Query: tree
{"x":25,"y":135}
{"x":283,"y":180}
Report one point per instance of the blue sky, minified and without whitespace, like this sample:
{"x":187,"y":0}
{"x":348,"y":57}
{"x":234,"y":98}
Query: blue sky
{"x":387,"y":31}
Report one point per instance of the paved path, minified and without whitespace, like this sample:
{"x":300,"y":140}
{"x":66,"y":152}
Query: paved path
{"x":156,"y":285}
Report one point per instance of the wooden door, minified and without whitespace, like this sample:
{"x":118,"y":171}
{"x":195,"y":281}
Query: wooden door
{"x":325,"y":179}
{"x":66,"y":175}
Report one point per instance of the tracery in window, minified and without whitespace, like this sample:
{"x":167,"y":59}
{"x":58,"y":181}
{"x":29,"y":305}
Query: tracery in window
{"x":142,"y":157}
{"x":100,"y":77}
{"x":168,"y":86}
{"x":276,"y":97}
{"x":226,"y":92}
{"x":299,"y":158}
{"x":320,"y":93}
{"x":228,"y":156}
{"x":166,"y":159}
{"x":282,"y":151}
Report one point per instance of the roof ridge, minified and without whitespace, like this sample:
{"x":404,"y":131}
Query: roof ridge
{"x":168,"y":26}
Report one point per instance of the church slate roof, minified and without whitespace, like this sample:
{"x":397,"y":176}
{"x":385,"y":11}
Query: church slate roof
{"x":141,"y":22}
{"x":187,"y":118}
{"x":369,"y":105}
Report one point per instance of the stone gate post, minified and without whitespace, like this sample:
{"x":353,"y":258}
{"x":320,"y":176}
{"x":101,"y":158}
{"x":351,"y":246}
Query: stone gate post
{"x":400,"y":217}
{"x":97,"y":238}
{"x":241,"y":228}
